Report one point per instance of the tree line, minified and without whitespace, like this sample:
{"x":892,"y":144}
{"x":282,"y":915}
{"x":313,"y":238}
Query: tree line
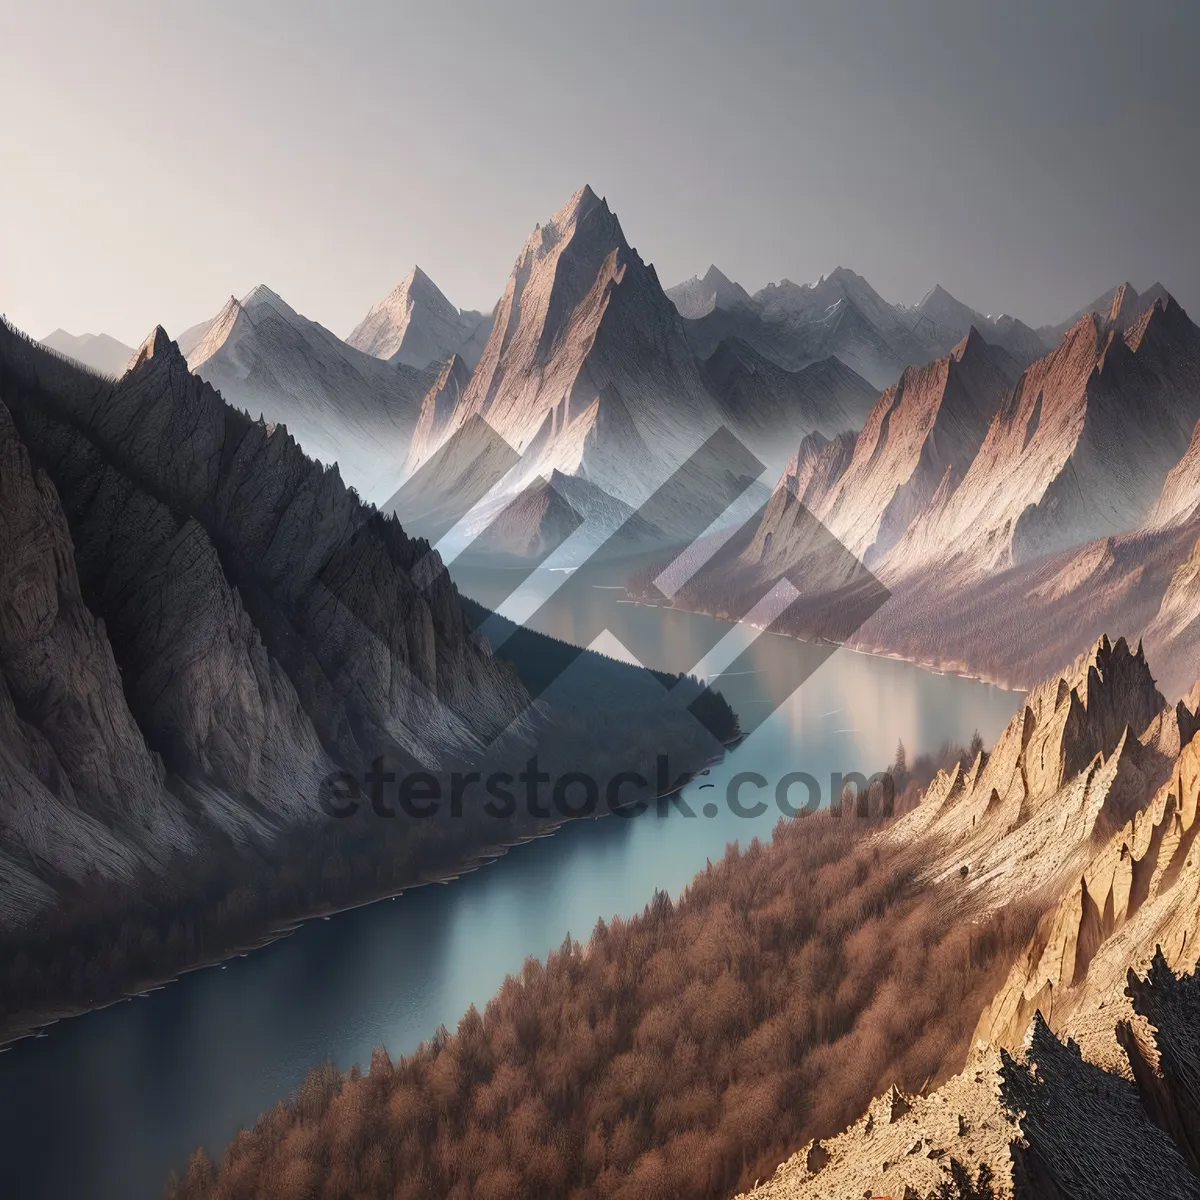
{"x":684,"y":1052}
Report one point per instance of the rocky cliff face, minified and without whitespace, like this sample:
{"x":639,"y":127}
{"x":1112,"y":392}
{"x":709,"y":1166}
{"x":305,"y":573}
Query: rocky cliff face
{"x":1088,"y":800}
{"x":1081,"y":449}
{"x":199,"y":624}
{"x":341,"y":405}
{"x":416,"y":325}
{"x":1045,"y":1121}
{"x":586,"y":370}
{"x":81,"y":794}
{"x":921,"y":436}
{"x":1139,"y":891}
{"x":1070,"y":768}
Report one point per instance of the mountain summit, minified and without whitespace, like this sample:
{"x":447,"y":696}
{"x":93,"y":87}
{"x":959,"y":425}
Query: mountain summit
{"x":415,"y":324}
{"x":342,"y":405}
{"x":1044,"y":476}
{"x":587,"y":370}
{"x":697,"y":297}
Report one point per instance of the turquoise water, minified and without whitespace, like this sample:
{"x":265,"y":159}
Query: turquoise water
{"x":105,"y":1104}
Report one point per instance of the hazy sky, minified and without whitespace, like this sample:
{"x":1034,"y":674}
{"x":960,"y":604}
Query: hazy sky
{"x":158,"y":157}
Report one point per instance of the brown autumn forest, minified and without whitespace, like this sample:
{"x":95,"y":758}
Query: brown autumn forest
{"x":686,"y":1051}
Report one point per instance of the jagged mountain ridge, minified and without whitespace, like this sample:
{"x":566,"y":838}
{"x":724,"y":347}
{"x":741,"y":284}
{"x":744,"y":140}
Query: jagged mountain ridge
{"x":415,"y":324}
{"x":841,"y":315}
{"x":922,"y":435}
{"x":1087,"y":801}
{"x":1069,"y":769}
{"x":340,"y":404}
{"x":222,"y":561}
{"x":844,"y":501}
{"x":950,"y":321}
{"x":1080,"y":450}
{"x":201,"y":624}
{"x":1123,"y":300}
{"x":1078,"y":509}
{"x":793,"y":325}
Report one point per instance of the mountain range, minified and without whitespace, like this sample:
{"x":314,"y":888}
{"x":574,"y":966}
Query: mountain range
{"x":995,"y":462}
{"x":1067,"y":490}
{"x":201,"y":624}
{"x":588,"y":369}
{"x":588,"y":373}
{"x":217,"y":591}
{"x":96,"y":350}
{"x":841,"y":315}
{"x":341,"y":405}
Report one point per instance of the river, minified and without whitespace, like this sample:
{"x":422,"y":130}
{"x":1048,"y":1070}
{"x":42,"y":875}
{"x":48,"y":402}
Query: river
{"x":102,"y":1106}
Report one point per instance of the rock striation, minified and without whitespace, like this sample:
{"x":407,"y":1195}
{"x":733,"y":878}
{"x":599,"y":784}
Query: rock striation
{"x":586,"y":370}
{"x":1079,"y":450}
{"x":920,"y":439}
{"x":199,"y":624}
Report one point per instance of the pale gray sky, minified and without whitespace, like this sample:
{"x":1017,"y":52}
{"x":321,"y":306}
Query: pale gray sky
{"x":160,"y":156}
